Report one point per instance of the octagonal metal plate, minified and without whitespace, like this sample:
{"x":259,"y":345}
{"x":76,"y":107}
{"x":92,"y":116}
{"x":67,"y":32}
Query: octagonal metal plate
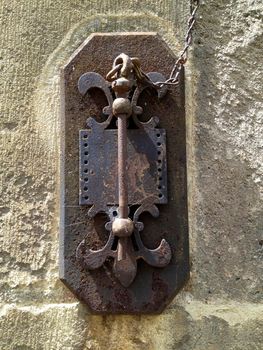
{"x":153,"y":288}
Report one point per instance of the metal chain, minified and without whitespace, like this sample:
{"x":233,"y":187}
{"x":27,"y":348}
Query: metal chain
{"x":180,"y":62}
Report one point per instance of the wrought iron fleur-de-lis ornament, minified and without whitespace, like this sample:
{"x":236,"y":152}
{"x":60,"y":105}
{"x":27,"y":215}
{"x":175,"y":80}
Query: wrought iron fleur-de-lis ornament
{"x":127,"y":81}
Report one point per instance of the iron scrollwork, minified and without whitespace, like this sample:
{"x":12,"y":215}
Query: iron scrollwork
{"x":122,"y":88}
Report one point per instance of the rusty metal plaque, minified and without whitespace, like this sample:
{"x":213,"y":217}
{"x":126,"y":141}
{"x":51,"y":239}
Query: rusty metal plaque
{"x":111,"y":271}
{"x":146,"y":167}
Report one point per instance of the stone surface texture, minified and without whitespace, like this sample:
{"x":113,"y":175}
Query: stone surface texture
{"x":221,"y":306}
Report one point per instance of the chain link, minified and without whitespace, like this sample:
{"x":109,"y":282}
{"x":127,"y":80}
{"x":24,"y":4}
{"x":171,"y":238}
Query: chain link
{"x":182,"y":59}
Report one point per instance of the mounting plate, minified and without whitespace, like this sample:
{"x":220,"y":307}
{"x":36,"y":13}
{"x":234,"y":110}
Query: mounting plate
{"x":146,"y":167}
{"x":153,"y":288}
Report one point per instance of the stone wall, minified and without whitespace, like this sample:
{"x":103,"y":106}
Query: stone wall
{"x":220,"y":306}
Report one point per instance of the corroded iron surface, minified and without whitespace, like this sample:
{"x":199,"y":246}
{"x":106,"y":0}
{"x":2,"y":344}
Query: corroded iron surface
{"x":146,"y":167}
{"x":153,"y":287}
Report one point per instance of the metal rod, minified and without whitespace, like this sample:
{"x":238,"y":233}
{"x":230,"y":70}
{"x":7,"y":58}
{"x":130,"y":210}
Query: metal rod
{"x":122,"y":163}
